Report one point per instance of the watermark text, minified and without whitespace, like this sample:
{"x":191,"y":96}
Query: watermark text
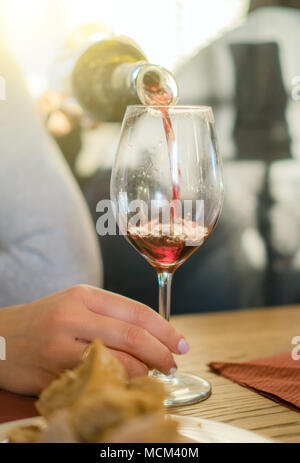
{"x":296,"y":88}
{"x":2,"y":89}
{"x":296,"y":350}
{"x":183,"y":219}
{"x":2,"y":348}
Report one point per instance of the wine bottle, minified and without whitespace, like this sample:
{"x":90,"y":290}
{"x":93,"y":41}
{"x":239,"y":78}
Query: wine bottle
{"x":114,"y":73}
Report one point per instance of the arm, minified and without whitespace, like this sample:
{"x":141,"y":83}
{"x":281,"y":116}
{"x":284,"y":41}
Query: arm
{"x":47,"y":241}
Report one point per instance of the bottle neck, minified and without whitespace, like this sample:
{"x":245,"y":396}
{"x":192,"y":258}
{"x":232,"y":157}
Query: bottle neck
{"x":152,"y":84}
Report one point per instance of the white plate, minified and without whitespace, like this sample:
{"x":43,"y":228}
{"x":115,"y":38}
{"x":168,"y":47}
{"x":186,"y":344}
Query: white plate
{"x":196,"y":429}
{"x":208,"y":432}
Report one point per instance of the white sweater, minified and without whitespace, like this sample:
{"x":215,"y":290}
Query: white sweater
{"x":47,"y":240}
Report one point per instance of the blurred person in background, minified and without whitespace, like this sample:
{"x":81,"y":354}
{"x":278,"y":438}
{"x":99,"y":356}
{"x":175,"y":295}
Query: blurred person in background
{"x":249,"y":76}
{"x":47,"y":240}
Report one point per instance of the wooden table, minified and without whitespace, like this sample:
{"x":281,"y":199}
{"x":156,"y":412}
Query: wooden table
{"x":230,"y":336}
{"x":238,"y":336}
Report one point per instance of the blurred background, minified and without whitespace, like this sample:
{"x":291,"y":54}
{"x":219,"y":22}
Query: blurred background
{"x":239,"y":56}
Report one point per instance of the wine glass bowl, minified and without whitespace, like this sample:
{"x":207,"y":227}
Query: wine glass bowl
{"x":167,"y":190}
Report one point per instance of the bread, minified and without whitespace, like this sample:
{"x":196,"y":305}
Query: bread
{"x":150,"y":428}
{"x":96,"y":402}
{"x":24,"y":435}
{"x":99,"y":367}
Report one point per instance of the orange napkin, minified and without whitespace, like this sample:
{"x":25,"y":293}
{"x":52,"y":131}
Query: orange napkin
{"x":277,"y":377}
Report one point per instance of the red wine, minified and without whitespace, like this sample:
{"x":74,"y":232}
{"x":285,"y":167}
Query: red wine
{"x":170,"y":137}
{"x":166,"y":252}
{"x":159,"y":96}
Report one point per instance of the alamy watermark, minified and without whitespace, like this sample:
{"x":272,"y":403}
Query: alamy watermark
{"x":2,"y":348}
{"x":296,"y":88}
{"x":296,"y":350}
{"x":184,"y":219}
{"x":2,"y":89}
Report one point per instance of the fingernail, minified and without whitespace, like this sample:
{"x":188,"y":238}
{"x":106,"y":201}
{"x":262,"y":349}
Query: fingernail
{"x":183,"y":346}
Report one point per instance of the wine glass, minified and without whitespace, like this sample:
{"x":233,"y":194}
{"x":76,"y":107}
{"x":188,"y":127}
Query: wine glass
{"x":167,"y":192}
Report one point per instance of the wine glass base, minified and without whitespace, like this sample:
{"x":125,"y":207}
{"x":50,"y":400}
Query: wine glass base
{"x":184,"y":388}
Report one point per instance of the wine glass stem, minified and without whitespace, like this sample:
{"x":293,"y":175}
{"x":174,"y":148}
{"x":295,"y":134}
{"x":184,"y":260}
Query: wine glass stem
{"x":165,"y":282}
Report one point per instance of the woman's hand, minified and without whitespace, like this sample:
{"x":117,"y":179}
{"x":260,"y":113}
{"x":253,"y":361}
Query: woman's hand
{"x":49,"y":335}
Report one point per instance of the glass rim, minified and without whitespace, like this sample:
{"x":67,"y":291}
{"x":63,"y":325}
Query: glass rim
{"x":172,"y":107}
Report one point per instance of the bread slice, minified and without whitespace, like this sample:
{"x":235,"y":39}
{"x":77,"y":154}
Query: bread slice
{"x":98,"y":368}
{"x":151,"y":428}
{"x":96,"y":402}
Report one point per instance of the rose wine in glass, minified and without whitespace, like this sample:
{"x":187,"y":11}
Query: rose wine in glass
{"x":168,"y":191}
{"x":165,"y":252}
